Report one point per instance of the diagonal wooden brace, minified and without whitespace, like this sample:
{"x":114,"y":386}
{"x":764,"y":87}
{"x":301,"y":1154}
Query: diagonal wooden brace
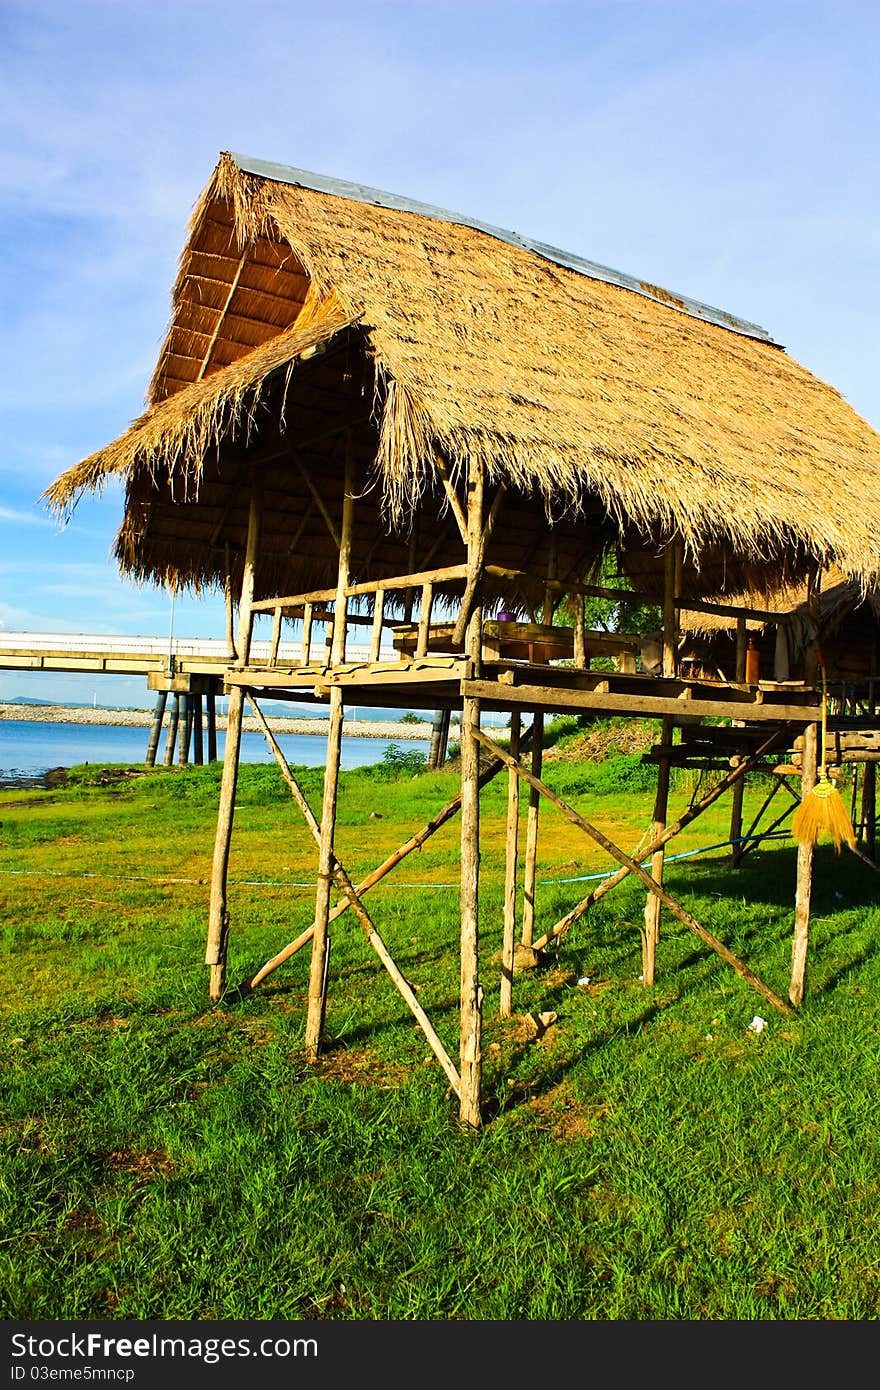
{"x":634,"y":867}
{"x":343,"y":882}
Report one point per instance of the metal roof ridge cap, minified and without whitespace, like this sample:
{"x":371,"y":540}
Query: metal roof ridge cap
{"x":362,"y":193}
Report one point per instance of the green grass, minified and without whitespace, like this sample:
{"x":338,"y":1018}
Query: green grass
{"x":648,"y":1157}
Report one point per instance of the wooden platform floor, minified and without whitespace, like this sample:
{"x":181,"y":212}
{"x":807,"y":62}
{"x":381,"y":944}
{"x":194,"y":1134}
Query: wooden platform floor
{"x":442,"y":682}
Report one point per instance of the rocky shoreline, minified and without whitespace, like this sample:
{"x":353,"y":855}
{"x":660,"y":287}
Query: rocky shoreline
{"x":143,"y":718}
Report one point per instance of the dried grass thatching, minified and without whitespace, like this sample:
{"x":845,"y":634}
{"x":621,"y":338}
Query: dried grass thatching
{"x":573,"y":391}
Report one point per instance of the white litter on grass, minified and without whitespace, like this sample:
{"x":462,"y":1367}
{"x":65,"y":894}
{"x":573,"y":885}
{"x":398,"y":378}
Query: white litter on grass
{"x":757,"y":1024}
{"x":584,"y":980}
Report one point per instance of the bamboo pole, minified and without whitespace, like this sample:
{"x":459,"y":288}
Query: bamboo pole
{"x":803,"y":891}
{"x":653,"y":906}
{"x":530,"y":871}
{"x":634,"y":867}
{"x":376,"y":630}
{"x":321,"y":940}
{"x":736,"y":807}
{"x":229,"y":605}
{"x":668,"y":834}
{"x":671,"y":574}
{"x":218,"y":914}
{"x":508,"y":945}
{"x":415,"y":841}
{"x":424,"y":619}
{"x":471,"y":993}
{"x":156,"y":727}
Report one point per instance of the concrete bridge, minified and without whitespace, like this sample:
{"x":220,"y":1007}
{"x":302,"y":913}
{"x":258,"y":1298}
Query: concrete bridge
{"x":189,"y":670}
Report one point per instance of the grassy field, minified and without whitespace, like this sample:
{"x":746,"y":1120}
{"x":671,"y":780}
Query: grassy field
{"x":648,"y":1157}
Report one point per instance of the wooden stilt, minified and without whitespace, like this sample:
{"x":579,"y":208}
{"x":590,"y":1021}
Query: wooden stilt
{"x":471,"y":993}
{"x":508,"y":944}
{"x":211,"y":720}
{"x":651,"y":933}
{"x":530,"y":871}
{"x":317,"y":1004}
{"x":171,"y":735}
{"x":156,"y":727}
{"x":803,"y":891}
{"x":736,"y":807}
{"x":634,"y":867}
{"x":218,"y":914}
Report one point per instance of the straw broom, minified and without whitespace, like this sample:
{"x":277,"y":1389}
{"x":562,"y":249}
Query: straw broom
{"x":822,"y":809}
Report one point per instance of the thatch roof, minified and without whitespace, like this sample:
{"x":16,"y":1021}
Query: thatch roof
{"x":577,"y":391}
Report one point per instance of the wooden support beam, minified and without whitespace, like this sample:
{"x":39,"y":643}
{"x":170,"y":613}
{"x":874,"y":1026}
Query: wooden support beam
{"x":378,"y":620}
{"x":452,"y":496}
{"x":321,"y":940}
{"x":651,"y":933}
{"x":354,"y":899}
{"x":276,"y":636}
{"x":671,"y":576}
{"x":424,"y":619}
{"x":730,"y":779}
{"x":317,"y":499}
{"x":803,"y":891}
{"x":216,"y":334}
{"x":508,"y":944}
{"x":218,"y":913}
{"x":475,"y":569}
{"x":634,"y":867}
{"x":530,"y":870}
{"x":500,"y":695}
{"x":471,"y":992}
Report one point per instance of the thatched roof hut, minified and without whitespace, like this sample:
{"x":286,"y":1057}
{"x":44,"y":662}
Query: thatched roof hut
{"x":843,"y":624}
{"x":306,"y":311}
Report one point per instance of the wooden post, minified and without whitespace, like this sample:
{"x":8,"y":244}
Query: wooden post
{"x":211,"y":720}
{"x":530,"y":871}
{"x":869,"y":774}
{"x":471,"y":993}
{"x":579,"y":638}
{"x":671,"y":576}
{"x":156,"y":727}
{"x":424,"y":619}
{"x":651,"y":933}
{"x":376,"y":630}
{"x":317,"y":1004}
{"x":171,"y":735}
{"x":218,"y":914}
{"x":508,"y":945}
{"x":305,"y":650}
{"x":736,"y":809}
{"x":197,"y":727}
{"x":230,"y":606}
{"x":185,"y":730}
{"x":804,"y":886}
{"x":276,"y":636}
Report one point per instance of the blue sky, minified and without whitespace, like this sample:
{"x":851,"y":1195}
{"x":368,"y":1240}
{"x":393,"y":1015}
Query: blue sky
{"x":724,"y":149}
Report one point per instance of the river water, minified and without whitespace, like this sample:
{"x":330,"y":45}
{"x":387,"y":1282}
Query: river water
{"x":30,"y":749}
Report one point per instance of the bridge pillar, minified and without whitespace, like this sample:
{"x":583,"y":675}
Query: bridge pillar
{"x":156,"y":728}
{"x":171,"y":736}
